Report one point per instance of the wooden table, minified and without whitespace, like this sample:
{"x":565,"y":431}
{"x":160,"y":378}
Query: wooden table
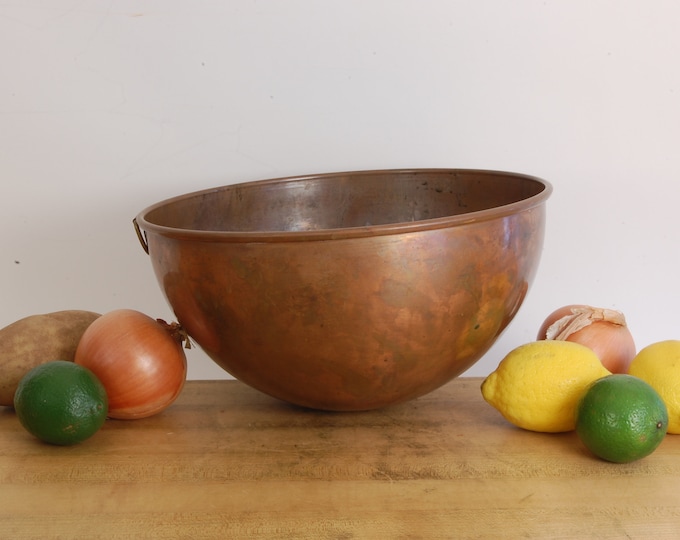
{"x":228,"y":462}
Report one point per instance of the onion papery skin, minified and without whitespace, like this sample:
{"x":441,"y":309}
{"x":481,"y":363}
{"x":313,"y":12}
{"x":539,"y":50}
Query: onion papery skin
{"x":139,"y":360}
{"x":607,"y":334}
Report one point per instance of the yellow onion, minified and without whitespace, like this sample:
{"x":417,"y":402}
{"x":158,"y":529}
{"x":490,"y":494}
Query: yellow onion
{"x":602,"y":330}
{"x":139,"y":360}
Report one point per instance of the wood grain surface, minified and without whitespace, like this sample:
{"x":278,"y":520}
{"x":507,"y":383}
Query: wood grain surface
{"x":228,"y":462}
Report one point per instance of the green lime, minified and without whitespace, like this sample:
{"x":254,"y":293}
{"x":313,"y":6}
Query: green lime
{"x":61,"y":402}
{"x":621,"y":418}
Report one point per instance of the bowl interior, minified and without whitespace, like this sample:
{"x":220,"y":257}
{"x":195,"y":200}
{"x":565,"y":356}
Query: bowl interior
{"x":367,"y":199}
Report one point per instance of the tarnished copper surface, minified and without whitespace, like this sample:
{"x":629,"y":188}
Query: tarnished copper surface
{"x":349,"y":291}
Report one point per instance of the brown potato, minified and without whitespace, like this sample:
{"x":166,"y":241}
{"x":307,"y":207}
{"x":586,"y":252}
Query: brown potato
{"x":37,"y":339}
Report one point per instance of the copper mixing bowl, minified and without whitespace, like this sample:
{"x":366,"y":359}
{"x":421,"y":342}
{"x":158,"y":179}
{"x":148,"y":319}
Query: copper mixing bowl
{"x":349,"y":291}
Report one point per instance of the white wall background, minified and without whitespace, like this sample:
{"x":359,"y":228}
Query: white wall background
{"x":109,"y":106}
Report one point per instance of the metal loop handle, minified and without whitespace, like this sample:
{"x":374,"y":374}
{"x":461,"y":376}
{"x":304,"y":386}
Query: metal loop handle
{"x":141,"y":236}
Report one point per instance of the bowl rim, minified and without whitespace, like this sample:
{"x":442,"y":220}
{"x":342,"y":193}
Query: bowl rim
{"x":142,"y":225}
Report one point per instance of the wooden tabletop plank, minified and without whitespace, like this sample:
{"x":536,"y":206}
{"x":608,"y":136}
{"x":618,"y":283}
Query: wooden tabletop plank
{"x":227,"y":461}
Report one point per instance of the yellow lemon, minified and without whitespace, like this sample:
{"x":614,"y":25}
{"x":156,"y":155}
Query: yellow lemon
{"x":537,"y":386}
{"x":658,"y":365}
